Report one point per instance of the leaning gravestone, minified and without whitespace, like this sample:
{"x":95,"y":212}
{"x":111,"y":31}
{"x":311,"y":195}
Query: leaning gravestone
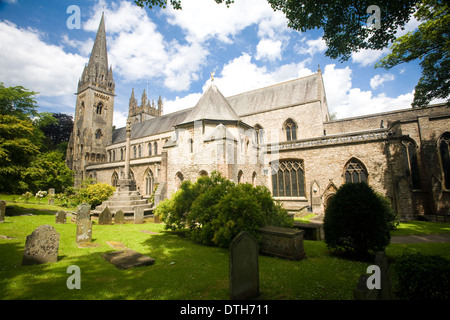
{"x":41,"y":246}
{"x":105,"y":217}
{"x":60,"y":217}
{"x":244,"y":269}
{"x":119,"y":217}
{"x":138,"y":215}
{"x":2,"y":210}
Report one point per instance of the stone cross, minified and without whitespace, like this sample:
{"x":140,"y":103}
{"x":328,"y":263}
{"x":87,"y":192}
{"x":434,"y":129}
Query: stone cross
{"x":244,"y":268}
{"x":105,"y":217}
{"x":60,"y":217}
{"x":119,"y":217}
{"x":41,"y":246}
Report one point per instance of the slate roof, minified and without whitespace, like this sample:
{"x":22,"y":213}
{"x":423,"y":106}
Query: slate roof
{"x":214,"y":106}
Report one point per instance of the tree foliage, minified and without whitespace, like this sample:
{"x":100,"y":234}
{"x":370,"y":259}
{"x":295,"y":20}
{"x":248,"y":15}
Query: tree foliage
{"x":215,"y":210}
{"x":430,"y":44}
{"x":17,"y":101}
{"x":358,"y":220}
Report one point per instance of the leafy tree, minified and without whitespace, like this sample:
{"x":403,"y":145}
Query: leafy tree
{"x":346,"y":30}
{"x":57,"y":128}
{"x":358,"y":220}
{"x":431,"y":45}
{"x":48,"y":170}
{"x":95,"y":194}
{"x":17,"y":149}
{"x":17,"y":101}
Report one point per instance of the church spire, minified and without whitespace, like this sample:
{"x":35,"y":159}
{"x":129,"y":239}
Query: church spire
{"x":99,"y":56}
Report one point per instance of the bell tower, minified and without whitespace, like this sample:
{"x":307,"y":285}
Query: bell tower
{"x":93,"y":121}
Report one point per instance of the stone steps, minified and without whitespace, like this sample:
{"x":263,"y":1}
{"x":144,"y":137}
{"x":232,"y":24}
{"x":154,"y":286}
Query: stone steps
{"x":125,"y":201}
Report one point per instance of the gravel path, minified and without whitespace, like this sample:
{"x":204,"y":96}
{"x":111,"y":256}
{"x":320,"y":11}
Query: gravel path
{"x":421,"y":238}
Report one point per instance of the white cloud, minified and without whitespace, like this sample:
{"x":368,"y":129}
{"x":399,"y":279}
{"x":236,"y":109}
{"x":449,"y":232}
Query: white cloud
{"x":120,"y":119}
{"x":367,"y":57}
{"x":268,"y":50}
{"x":313,"y":46}
{"x":25,"y":59}
{"x":181,"y":103}
{"x":378,"y":80}
{"x":347,"y":101}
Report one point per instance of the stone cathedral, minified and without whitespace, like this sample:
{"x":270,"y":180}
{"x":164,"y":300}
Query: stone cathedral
{"x":279,"y":136}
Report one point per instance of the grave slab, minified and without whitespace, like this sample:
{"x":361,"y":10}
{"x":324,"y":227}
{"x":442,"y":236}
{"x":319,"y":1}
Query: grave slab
{"x":126,"y":259}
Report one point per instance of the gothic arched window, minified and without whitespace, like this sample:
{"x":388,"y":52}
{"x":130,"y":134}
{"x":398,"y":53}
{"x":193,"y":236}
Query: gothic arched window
{"x":291,"y":130}
{"x":155,"y":146}
{"x":259,"y":134}
{"x":115,"y":179}
{"x":98,"y":134}
{"x":149,"y":149}
{"x":191,"y":146}
{"x":99,"y":108}
{"x":288,"y":178}
{"x":240,"y":176}
{"x":355,"y":172}
{"x":134,"y":152}
{"x":444,"y":153}
{"x":139,"y":151}
{"x":149,"y":182}
{"x":178,"y":179}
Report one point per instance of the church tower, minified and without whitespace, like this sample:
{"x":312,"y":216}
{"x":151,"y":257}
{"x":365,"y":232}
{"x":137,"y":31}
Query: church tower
{"x":93,"y":121}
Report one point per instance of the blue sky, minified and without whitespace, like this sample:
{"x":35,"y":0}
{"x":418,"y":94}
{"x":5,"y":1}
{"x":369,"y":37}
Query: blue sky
{"x":172,"y":53}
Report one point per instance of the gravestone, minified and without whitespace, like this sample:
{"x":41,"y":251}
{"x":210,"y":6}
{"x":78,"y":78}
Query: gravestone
{"x":60,"y":217}
{"x":84,"y":231}
{"x":119,"y":217}
{"x":286,"y":243}
{"x":127,"y":258}
{"x":84,"y":212}
{"x":51,"y":196}
{"x":84,"y":223}
{"x":138,"y":215}
{"x":244,"y":268}
{"x":2,"y":210}
{"x":41,"y":246}
{"x":105,"y":217}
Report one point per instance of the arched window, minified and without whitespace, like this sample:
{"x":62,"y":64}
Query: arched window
{"x":115,"y":179}
{"x":98,"y":134}
{"x":444,"y":153}
{"x":139,"y":151}
{"x":191,"y":145}
{"x":288,"y":178}
{"x":121,"y":154}
{"x":99,"y":108}
{"x":291,"y":130}
{"x":114,"y":155}
{"x":149,"y":182}
{"x":411,"y":164}
{"x":259,"y":134}
{"x":203,"y":173}
{"x":240,"y":176}
{"x":149,"y":149}
{"x":134,"y":152}
{"x":155,"y":147}
{"x":355,"y":172}
{"x":254,"y":179}
{"x":178,"y":180}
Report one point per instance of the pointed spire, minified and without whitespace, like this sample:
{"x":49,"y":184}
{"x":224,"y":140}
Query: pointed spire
{"x":99,"y":56}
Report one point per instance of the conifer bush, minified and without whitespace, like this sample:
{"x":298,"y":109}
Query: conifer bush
{"x":358,"y":221}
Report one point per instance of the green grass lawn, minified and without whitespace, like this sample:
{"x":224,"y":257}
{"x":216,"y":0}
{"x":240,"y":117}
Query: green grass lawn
{"x":183,"y":269}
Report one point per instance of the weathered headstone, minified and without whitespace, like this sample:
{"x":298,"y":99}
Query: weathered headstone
{"x":119,"y":217}
{"x":60,"y":217}
{"x":280,"y":242}
{"x":51,"y":196}
{"x":41,"y":246}
{"x":244,"y":268}
{"x":84,"y":223}
{"x":138,"y":215}
{"x":2,"y":210}
{"x":84,"y":212}
{"x":84,"y":231}
{"x":105,"y":217}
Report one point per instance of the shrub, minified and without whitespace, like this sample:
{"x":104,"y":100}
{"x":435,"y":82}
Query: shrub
{"x":215,"y":210}
{"x":95,"y":194}
{"x":422,"y":277}
{"x":357,"y":220}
